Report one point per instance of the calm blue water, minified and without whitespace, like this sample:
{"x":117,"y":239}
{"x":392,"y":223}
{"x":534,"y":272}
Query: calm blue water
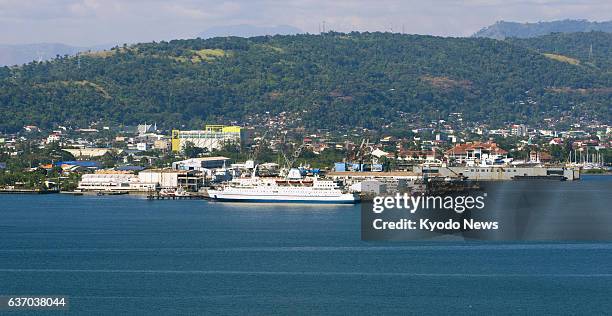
{"x":127,"y":255}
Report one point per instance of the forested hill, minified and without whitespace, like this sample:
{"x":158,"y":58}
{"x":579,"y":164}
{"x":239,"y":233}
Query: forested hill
{"x":592,"y":49}
{"x":332,"y":80}
{"x":504,"y":29}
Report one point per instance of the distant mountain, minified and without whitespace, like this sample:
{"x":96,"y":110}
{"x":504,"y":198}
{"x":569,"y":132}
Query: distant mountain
{"x":22,"y":54}
{"x":245,"y":30}
{"x":503,"y":29}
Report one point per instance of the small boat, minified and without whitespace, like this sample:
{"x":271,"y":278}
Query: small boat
{"x":101,"y":193}
{"x":178,"y":192}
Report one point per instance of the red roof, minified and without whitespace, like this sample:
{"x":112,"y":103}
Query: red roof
{"x":462,"y":149}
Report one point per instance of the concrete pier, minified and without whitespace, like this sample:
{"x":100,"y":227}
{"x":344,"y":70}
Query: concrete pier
{"x":499,"y":173}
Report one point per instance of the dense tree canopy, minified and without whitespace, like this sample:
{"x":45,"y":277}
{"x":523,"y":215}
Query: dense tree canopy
{"x":593,"y":49}
{"x":334,"y":79}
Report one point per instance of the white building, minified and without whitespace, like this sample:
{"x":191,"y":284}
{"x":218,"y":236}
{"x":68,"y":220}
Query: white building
{"x":90,"y":152}
{"x":191,"y":180}
{"x":54,"y":138}
{"x":212,"y":137}
{"x":476,"y":152}
{"x":146,"y":180}
{"x":146,"y":128}
{"x":519,"y":130}
{"x":142,"y":146}
{"x":203,"y":164}
{"x":114,"y":182}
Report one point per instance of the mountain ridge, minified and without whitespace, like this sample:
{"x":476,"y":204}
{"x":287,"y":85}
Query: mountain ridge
{"x":18,"y":54}
{"x":334,"y":79}
{"x":506,"y":29}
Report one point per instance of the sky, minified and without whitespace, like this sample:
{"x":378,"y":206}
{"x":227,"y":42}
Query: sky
{"x":96,"y":22}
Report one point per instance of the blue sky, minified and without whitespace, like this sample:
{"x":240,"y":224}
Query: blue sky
{"x":90,"y":22}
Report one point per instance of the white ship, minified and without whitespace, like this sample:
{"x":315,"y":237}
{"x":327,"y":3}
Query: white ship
{"x":291,"y":189}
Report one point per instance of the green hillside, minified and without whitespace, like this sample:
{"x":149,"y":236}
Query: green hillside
{"x":504,"y":29}
{"x":356,"y":79}
{"x":592,"y":48}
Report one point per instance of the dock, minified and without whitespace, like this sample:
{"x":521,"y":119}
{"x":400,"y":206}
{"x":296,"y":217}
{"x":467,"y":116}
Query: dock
{"x":27,"y":191}
{"x":101,"y":193}
{"x":501,"y":173}
{"x":157,"y":196}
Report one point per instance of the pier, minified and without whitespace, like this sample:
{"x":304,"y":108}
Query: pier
{"x":27,"y":191}
{"x":501,"y":173}
{"x":157,"y":196}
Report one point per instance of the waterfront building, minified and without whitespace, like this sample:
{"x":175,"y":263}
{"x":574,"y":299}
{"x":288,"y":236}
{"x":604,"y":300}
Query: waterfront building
{"x":191,"y":180}
{"x":114,"y":181}
{"x":203,"y":164}
{"x":471,"y":152}
{"x":145,"y":181}
{"x":392,"y":181}
{"x":539,"y":157}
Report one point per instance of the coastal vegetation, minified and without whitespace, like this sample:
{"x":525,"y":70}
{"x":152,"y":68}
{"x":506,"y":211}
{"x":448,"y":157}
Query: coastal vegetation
{"x":24,"y":171}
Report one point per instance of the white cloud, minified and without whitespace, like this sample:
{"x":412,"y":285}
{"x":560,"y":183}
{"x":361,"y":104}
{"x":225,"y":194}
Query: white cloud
{"x":102,"y":21}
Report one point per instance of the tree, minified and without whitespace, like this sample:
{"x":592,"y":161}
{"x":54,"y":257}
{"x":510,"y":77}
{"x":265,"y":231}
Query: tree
{"x":191,"y":151}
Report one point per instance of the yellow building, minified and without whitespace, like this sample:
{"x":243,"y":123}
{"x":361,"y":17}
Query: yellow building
{"x":212,"y":137}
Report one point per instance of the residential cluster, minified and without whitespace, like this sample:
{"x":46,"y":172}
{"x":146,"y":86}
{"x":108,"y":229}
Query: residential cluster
{"x":145,"y":158}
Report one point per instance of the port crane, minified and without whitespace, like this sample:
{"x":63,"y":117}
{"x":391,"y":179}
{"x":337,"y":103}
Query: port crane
{"x":361,"y":153}
{"x":255,"y":152}
{"x":289,"y":160}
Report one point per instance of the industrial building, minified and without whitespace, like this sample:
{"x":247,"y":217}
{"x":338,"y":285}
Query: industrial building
{"x":91,"y":152}
{"x":190,"y":180}
{"x":145,"y":181}
{"x":203,"y":164}
{"x":380,"y":181}
{"x":116,"y":181}
{"x":212,"y":137}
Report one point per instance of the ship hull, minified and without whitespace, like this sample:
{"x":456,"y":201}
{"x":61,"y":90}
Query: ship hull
{"x":235,"y":197}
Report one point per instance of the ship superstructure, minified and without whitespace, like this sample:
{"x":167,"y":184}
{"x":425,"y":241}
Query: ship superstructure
{"x":290,"y":189}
